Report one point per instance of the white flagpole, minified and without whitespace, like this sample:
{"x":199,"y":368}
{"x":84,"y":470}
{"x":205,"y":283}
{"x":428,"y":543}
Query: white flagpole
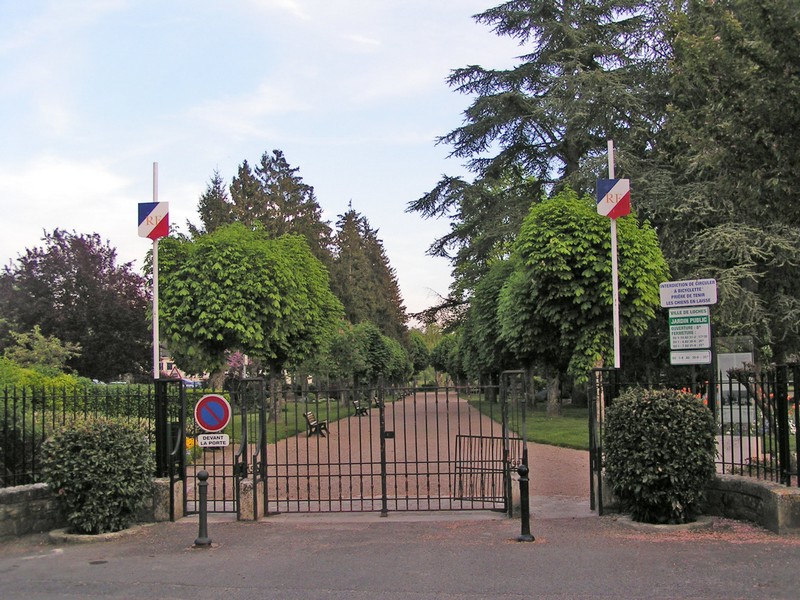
{"x":156,"y":353}
{"x":614,"y":269}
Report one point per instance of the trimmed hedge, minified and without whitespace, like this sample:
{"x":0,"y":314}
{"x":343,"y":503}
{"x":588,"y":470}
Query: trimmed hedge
{"x":101,"y":471}
{"x":659,"y":447}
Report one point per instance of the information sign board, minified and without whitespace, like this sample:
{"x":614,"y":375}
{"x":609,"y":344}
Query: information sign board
{"x":213,"y":440}
{"x":697,"y":292}
{"x":689,"y":328}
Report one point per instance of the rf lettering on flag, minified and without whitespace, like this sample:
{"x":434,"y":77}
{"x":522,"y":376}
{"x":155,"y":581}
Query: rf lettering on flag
{"x":613,"y":197}
{"x":153,"y":220}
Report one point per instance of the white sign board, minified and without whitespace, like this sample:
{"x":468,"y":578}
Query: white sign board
{"x":689,"y":328}
{"x":213,"y":440}
{"x":697,"y":292}
{"x":690,"y":357}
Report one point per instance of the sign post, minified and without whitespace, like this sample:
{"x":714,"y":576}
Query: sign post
{"x":154,"y":224}
{"x":613,"y":201}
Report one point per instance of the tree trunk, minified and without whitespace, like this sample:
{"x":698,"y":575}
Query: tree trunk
{"x":554,"y":396}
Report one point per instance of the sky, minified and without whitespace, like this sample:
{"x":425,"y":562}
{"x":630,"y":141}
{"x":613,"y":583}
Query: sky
{"x":354,"y":92}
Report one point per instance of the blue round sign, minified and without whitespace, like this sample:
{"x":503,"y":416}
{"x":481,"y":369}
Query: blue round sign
{"x":212,"y":412}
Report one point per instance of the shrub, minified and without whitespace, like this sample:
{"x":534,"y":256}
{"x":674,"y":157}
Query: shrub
{"x":659,"y":448}
{"x":101,"y":470}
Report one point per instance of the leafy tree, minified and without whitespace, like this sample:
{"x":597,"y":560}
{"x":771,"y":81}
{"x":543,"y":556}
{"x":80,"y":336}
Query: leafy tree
{"x":418,"y":351}
{"x":590,"y":73}
{"x":47,"y":354}
{"x":446,"y":357}
{"x":584,"y":81}
{"x":555,"y":309}
{"x":74,"y":290}
{"x":362,"y":278}
{"x":723,"y":184}
{"x":238,"y":289}
{"x":485,"y":353}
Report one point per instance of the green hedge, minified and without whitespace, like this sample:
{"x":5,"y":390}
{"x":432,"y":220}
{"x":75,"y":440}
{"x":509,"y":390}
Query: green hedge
{"x":101,"y":471}
{"x":660,"y":448}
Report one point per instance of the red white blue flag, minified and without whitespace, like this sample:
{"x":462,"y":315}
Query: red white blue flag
{"x":153,"y":219}
{"x":613,"y":197}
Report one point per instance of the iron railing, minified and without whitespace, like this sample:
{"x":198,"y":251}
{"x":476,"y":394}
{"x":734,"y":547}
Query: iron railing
{"x":28,"y":415}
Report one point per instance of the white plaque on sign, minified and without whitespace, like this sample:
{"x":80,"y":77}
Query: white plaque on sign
{"x":697,"y":292}
{"x":690,"y":357}
{"x":213,"y":440}
{"x":689,"y":328}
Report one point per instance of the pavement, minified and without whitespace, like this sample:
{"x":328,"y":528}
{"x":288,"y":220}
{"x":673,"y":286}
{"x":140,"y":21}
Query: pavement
{"x":410,"y":556}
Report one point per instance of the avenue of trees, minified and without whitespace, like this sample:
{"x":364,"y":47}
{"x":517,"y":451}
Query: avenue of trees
{"x":701,"y":100}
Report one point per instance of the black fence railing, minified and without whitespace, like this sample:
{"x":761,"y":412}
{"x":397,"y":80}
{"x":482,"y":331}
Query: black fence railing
{"x":756,"y":413}
{"x":29,"y":415}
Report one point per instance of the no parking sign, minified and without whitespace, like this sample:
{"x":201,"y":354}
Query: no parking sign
{"x":213,"y":413}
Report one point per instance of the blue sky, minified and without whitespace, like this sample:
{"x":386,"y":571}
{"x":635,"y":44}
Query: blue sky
{"x":93,"y":92}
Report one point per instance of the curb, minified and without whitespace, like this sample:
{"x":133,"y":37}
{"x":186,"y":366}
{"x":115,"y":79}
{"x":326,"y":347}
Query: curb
{"x":63,"y":536}
{"x":702,"y":523}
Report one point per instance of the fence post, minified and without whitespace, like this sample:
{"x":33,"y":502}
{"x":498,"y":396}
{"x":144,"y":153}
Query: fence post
{"x":782,"y":406}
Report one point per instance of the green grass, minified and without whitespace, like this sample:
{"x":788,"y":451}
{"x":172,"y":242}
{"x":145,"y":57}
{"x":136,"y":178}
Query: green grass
{"x":570,"y":430}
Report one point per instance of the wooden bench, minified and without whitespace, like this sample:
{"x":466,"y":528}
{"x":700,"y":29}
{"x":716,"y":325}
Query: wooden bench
{"x":314,"y":426}
{"x":361,"y":410}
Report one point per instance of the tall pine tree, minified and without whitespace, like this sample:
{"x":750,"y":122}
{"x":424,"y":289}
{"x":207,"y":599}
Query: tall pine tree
{"x":362,"y":278}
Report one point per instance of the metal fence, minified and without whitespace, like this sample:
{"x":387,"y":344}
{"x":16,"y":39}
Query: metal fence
{"x":756,"y":414}
{"x":29,"y":415}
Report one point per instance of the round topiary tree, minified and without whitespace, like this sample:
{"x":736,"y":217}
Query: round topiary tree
{"x":101,"y":471}
{"x":660,"y":447}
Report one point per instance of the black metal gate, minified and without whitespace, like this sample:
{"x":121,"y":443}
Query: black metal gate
{"x":390,"y":449}
{"x":373,"y":449}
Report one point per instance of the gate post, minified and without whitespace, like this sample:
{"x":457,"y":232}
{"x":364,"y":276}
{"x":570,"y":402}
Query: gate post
{"x":162,"y":428}
{"x":382,"y":413}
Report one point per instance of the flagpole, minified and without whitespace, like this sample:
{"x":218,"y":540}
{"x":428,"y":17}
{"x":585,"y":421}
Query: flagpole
{"x":614,"y":268}
{"x":156,"y":353}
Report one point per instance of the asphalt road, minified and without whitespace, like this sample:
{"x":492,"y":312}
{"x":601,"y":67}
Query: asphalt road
{"x":407,"y":556}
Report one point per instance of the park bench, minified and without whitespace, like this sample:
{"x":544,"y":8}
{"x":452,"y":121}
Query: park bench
{"x":314,"y":426}
{"x":361,"y":410}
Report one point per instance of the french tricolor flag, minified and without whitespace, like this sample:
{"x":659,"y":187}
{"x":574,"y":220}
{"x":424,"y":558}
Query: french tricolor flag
{"x":613,"y":197}
{"x":153,"y":219}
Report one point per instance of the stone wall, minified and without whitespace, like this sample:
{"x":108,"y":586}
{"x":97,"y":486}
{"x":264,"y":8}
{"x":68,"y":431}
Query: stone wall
{"x":28,"y":509}
{"x":773,"y":506}
{"x":33,"y":508}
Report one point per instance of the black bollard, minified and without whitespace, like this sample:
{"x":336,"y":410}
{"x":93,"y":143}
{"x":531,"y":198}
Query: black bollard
{"x":203,"y":541}
{"x":524,"y":499}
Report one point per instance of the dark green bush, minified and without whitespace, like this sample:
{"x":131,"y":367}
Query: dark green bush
{"x":660,"y":447}
{"x":101,"y":470}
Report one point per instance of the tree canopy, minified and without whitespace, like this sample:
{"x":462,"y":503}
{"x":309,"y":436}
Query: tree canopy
{"x":73,"y":289}
{"x":555,"y":308}
{"x":239,"y":289}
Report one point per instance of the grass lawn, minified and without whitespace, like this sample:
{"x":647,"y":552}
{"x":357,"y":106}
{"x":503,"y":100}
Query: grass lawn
{"x":570,"y":430}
